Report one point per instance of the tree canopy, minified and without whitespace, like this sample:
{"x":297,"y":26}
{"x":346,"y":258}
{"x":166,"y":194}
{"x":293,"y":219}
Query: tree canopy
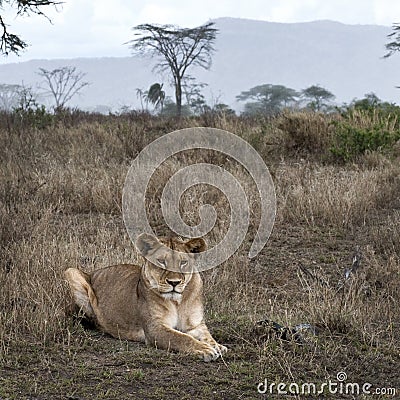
{"x":63,"y":84}
{"x":177,"y":49}
{"x":318,"y":97}
{"x":9,"y":96}
{"x":268,"y":99}
{"x":10,"y":42}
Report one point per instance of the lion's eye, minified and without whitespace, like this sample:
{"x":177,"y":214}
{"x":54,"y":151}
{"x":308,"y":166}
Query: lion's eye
{"x":162,"y":261}
{"x":184,"y":263}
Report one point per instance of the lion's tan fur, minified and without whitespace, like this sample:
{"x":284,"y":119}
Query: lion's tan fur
{"x":149,"y":303}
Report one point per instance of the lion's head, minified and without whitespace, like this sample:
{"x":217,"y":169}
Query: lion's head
{"x":169,"y":265}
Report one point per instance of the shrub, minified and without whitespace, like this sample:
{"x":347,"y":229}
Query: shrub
{"x":351,"y":141}
{"x":361,"y":131}
{"x":36,"y":117}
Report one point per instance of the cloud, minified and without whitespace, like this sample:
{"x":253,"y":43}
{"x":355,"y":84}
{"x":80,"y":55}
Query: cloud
{"x":386,"y":12}
{"x":99,"y":28}
{"x":157,"y":14}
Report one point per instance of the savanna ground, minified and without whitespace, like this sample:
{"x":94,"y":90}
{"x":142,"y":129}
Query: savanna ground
{"x":61,"y":181}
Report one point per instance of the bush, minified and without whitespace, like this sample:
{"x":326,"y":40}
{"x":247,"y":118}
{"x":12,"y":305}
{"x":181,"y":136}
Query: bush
{"x":36,"y":117}
{"x":308,"y":131}
{"x":364,"y":131}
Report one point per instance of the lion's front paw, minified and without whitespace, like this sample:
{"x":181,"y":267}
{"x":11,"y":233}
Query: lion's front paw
{"x":207,"y":352}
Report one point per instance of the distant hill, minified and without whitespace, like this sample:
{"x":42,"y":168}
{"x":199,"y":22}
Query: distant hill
{"x":345,"y":59}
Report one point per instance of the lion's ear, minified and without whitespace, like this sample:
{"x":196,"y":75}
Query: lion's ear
{"x":145,"y":243}
{"x":196,"y":245}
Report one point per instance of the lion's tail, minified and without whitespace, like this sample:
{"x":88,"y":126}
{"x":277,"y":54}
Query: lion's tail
{"x":81,"y":291}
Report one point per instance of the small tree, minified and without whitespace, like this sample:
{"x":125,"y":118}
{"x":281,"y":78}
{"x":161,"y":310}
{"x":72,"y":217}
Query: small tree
{"x":141,"y":95}
{"x":27,"y":99}
{"x":10,"y":42}
{"x":370,"y":100}
{"x":177,"y":49}
{"x":156,"y":96}
{"x":317,"y":96}
{"x":170,"y":109}
{"x":224,"y":109}
{"x":63,"y":84}
{"x":371,"y":103}
{"x":194,"y":98}
{"x":269,"y":99}
{"x":16,"y":97}
{"x":9,"y":96}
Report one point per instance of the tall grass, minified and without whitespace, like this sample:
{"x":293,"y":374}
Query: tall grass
{"x":60,"y":206}
{"x":338,"y":196}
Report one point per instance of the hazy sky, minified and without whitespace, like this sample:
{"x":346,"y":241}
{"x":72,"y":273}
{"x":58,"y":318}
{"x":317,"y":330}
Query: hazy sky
{"x":100,"y":27}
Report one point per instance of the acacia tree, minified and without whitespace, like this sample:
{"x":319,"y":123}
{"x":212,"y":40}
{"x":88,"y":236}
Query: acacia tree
{"x":17,"y":97}
{"x":394,"y":45}
{"x":269,"y":99}
{"x":177,"y":49}
{"x":10,"y":42}
{"x":9,"y":96}
{"x":318,"y":97}
{"x":63,"y":84}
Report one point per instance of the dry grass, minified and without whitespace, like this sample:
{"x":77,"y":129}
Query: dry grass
{"x":60,"y":193}
{"x":307,"y":132}
{"x":340,"y":197}
{"x":365,"y":119}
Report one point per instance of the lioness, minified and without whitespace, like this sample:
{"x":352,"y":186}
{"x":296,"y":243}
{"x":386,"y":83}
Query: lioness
{"x":150,"y":303}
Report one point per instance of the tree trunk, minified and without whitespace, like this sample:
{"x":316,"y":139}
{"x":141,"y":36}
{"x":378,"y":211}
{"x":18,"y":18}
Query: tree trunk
{"x":178,"y":97}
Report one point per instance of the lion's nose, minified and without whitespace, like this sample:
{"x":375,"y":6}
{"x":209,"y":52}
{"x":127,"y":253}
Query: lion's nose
{"x":173,"y":283}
